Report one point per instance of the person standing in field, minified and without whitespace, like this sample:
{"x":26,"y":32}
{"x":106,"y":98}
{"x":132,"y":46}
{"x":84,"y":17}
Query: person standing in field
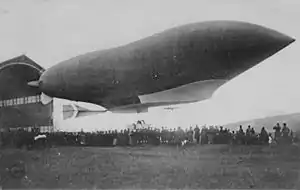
{"x":197,"y":134}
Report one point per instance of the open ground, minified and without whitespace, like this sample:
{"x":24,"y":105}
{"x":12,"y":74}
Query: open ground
{"x":209,"y":166}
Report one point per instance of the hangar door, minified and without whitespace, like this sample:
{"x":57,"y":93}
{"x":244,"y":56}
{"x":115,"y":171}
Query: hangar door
{"x":20,"y":104}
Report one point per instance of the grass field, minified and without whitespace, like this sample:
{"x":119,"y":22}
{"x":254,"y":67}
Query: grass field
{"x":210,"y":166}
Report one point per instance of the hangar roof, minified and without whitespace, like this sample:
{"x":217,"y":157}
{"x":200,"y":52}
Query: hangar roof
{"x":15,"y":73}
{"x":21,"y":59}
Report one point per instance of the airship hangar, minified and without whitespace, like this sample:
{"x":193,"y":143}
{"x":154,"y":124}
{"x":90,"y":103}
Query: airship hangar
{"x":20,"y":105}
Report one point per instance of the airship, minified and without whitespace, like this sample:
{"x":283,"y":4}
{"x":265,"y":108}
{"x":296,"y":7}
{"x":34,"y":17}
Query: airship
{"x":184,"y":64}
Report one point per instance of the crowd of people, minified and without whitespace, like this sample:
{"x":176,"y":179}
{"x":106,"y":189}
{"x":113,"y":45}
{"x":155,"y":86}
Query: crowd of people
{"x":141,"y":133}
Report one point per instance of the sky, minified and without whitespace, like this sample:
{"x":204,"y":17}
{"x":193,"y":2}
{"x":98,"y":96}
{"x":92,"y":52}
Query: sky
{"x":50,"y":31}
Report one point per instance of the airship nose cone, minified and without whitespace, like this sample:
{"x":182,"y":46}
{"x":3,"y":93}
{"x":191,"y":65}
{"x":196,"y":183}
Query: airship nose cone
{"x":279,"y":41}
{"x":247,"y":45}
{"x":282,"y":39}
{"x":289,"y":40}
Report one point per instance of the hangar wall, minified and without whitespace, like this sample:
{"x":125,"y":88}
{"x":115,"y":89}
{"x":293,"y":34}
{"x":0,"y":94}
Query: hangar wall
{"x":20,"y":104}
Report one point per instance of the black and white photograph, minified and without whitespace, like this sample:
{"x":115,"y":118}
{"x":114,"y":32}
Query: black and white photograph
{"x":149,"y":94}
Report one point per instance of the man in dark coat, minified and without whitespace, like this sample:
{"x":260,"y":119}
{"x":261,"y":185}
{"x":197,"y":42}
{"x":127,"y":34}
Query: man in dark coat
{"x":197,"y":134}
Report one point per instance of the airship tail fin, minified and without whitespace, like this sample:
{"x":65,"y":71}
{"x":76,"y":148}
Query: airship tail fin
{"x":71,"y":111}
